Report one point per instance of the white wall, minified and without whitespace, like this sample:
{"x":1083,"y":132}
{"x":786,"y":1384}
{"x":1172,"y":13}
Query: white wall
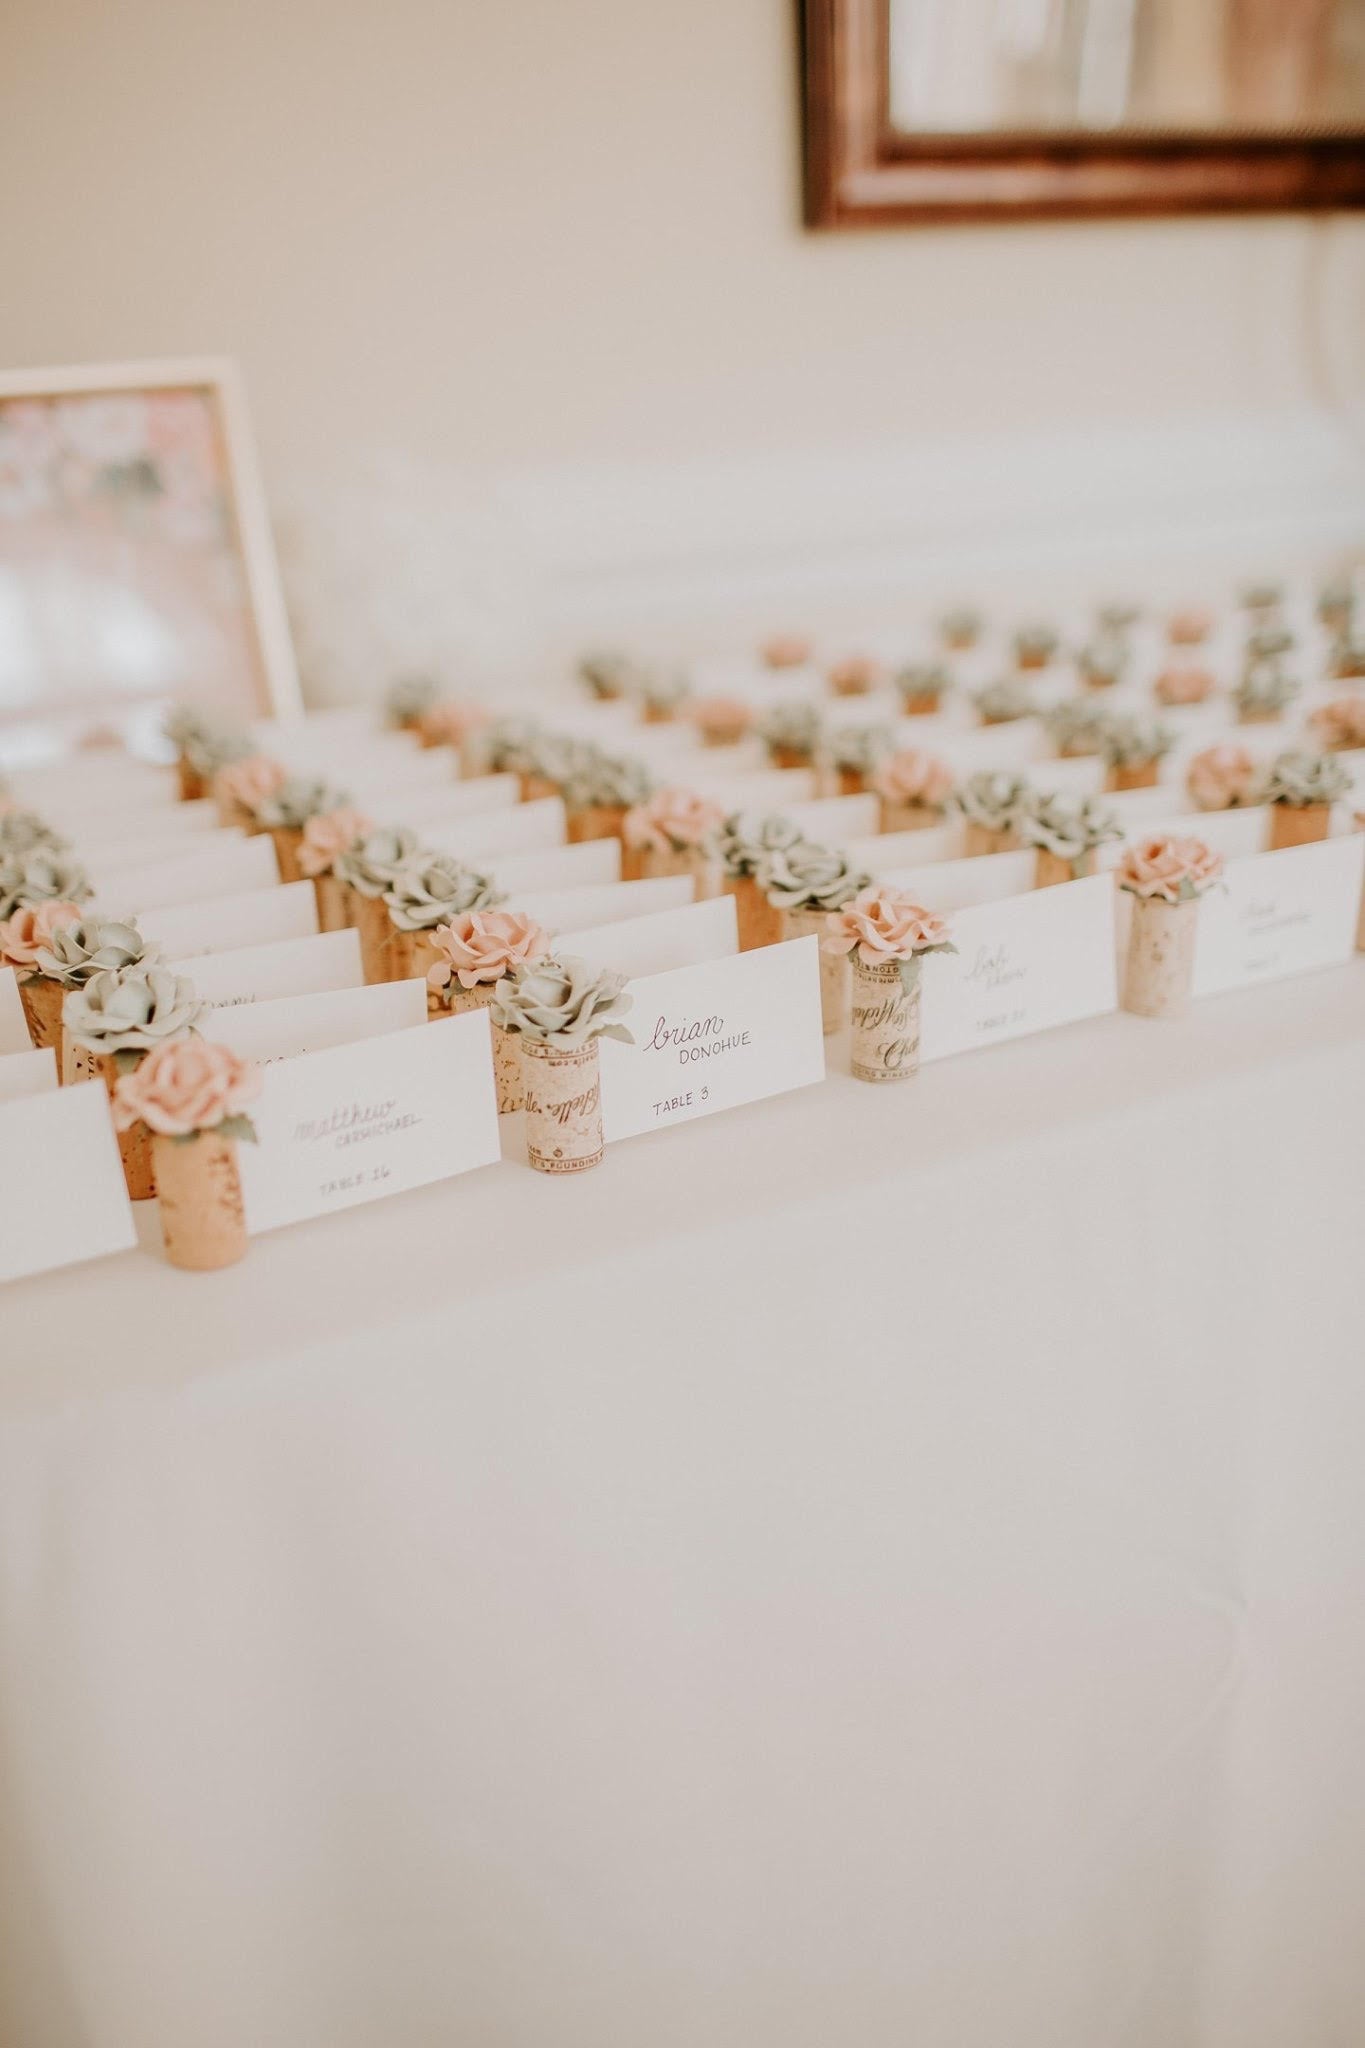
{"x":449,"y":241}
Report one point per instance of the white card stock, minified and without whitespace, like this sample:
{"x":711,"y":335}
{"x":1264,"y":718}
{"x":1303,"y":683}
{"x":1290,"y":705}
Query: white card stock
{"x":374,"y":1118}
{"x":1279,"y":913}
{"x":560,"y":867}
{"x":834,"y":820}
{"x":665,"y":939}
{"x":97,"y":780}
{"x":771,"y":789}
{"x":522,"y":829}
{"x":886,"y":852}
{"x":455,"y":801}
{"x":150,"y":845}
{"x":188,"y":876}
{"x":27,"y":1073}
{"x":948,"y":885}
{"x":1237,"y":835}
{"x":289,"y":967}
{"x":62,"y":1193}
{"x":288,"y":1026}
{"x":1025,"y":964}
{"x":222,"y":923}
{"x":126,"y":825}
{"x":715,"y":1036}
{"x":13,"y":1027}
{"x":561,"y":910}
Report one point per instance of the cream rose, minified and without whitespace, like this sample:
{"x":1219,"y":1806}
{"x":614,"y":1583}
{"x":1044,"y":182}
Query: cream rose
{"x":28,"y":932}
{"x":328,"y":836}
{"x":249,"y":782}
{"x":883,"y":925}
{"x":1340,"y":724}
{"x":1222,"y":778}
{"x":914,"y":777}
{"x":728,"y":717}
{"x":186,"y":1085}
{"x":672,"y":821}
{"x":483,"y":946}
{"x":1169,"y":867}
{"x":1183,"y":686}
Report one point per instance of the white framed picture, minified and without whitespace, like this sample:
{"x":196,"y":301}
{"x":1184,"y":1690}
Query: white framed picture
{"x":137,"y":567}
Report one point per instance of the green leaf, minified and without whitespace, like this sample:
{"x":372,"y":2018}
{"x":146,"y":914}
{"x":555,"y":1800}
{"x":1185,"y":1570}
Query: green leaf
{"x":128,"y":1058}
{"x":909,"y":973}
{"x":240,"y":1127}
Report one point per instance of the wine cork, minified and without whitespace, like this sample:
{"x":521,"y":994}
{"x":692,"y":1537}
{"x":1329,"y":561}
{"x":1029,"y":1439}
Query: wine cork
{"x":1055,"y":867}
{"x":203,"y":1223}
{"x":563,"y":1106}
{"x":1141,"y":775}
{"x":534,"y":785}
{"x":190,"y":785}
{"x":134,"y":1145}
{"x":759,"y":922}
{"x":506,"y":1044}
{"x":982,"y":839}
{"x":370,"y":915}
{"x":1159,"y":974}
{"x":658,"y":714}
{"x":789,"y":757}
{"x":595,"y":821}
{"x":703,"y":868}
{"x":885,"y":1041}
{"x":798,"y":924}
{"x":334,"y":911}
{"x":902,"y":817}
{"x":78,"y":1062}
{"x":287,"y":839}
{"x":1258,"y":714}
{"x":410,"y":955}
{"x":919,"y":704}
{"x":1298,"y":824}
{"x":42,"y":999}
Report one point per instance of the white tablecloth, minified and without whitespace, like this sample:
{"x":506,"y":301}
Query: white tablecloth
{"x":886,"y":1567}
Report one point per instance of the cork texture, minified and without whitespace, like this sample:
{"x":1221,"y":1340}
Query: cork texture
{"x":563,"y":1107}
{"x":203,"y":1224}
{"x":799,"y":924}
{"x":1159,"y":971}
{"x":1298,"y":824}
{"x":885,"y":1039}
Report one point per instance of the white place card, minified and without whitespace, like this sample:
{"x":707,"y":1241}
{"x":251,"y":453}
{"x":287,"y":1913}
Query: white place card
{"x":1237,"y":835}
{"x":1026,"y":964}
{"x":1280,"y":913}
{"x":151,"y":845}
{"x":560,"y":867}
{"x":562,"y":910}
{"x":715,"y":1036}
{"x":124,"y":824}
{"x":949,"y":885}
{"x":27,"y":1073}
{"x":386,"y":786}
{"x":63,"y":1197}
{"x":222,"y":924}
{"x":524,"y":828}
{"x":372,"y":1118}
{"x":1070,"y":775}
{"x":289,"y":1026}
{"x":218,"y":871}
{"x":95,"y":779}
{"x":13,"y":1025}
{"x":455,"y":801}
{"x":834,"y":820}
{"x":882,"y":853}
{"x":665,"y":939}
{"x":289,"y":967}
{"x":770,"y":789}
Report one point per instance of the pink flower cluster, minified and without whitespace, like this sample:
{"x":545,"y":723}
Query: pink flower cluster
{"x":1169,"y":867}
{"x":882,"y":925}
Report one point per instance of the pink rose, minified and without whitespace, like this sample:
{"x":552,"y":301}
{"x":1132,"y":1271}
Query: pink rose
{"x":450,"y":724}
{"x":1339,"y":724}
{"x":913,"y":777}
{"x":856,"y":674}
{"x":249,"y":782}
{"x":672,"y":820}
{"x":785,"y":650}
{"x":28,"y":930}
{"x":883,"y":925}
{"x":728,"y":717}
{"x":1183,"y":685}
{"x":1169,"y":867}
{"x":482,"y":946}
{"x":185,"y":1085}
{"x":1221,"y":778}
{"x":327,"y":837}
{"x":1188,"y":627}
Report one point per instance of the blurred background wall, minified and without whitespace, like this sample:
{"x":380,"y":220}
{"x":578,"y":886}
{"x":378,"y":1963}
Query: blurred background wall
{"x":454,"y":243}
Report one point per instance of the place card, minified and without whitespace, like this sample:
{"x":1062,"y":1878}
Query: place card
{"x":714,"y":1036}
{"x":1278,"y":914}
{"x":562,"y":910}
{"x":218,"y":871}
{"x":770,"y":789}
{"x":950,"y":885}
{"x":524,"y":828}
{"x":1237,"y":834}
{"x":62,"y":1191}
{"x":1068,"y":775}
{"x":14,"y":1035}
{"x":368,"y":1119}
{"x":560,"y":867}
{"x":833,"y":820}
{"x":223,"y":924}
{"x":455,"y":801}
{"x":683,"y":937}
{"x":1026,"y":964}
{"x":289,"y":1026}
{"x":119,"y":826}
{"x":27,"y":1073}
{"x":289,"y":967}
{"x":151,"y":847}
{"x":881,"y":853}
{"x":94,"y":779}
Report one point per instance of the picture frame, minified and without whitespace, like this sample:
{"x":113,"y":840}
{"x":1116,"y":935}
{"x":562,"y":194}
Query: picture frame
{"x":137,"y":564}
{"x":861,"y":170}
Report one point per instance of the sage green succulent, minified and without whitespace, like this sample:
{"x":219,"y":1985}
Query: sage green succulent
{"x":608,"y":673}
{"x":664,"y":689}
{"x":1036,"y":642}
{"x":1118,"y":618}
{"x":1003,"y":701}
{"x":433,"y":889}
{"x":513,"y":745}
{"x":595,"y":780}
{"x":211,"y":750}
{"x":564,"y":1002}
{"x":1069,"y":827}
{"x":1074,"y":725}
{"x":1128,"y":741}
{"x":961,"y":626}
{"x":805,"y":876}
{"x":792,"y":726}
{"x":992,"y":797}
{"x":923,"y":679}
{"x":1268,"y":642}
{"x":131,"y":1010}
{"x":1262,"y":596}
{"x":1266,"y":686}
{"x":409,"y":699}
{"x":21,"y":831}
{"x":298,"y":800}
{"x":1337,"y":602}
{"x":1299,"y":777}
{"x":44,"y":874}
{"x":97,"y":945}
{"x":748,"y":837}
{"x":856,"y":749}
{"x":375,"y":863}
{"x":186,"y":722}
{"x":1105,"y":660}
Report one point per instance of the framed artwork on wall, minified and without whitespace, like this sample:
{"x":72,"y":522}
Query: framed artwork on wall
{"x":136,"y":561}
{"x":949,"y":110}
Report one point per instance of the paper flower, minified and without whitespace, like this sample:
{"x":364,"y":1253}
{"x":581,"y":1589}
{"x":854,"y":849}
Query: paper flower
{"x":809,"y":877}
{"x":327,"y":836}
{"x":785,"y":650}
{"x":373,"y":864}
{"x":856,"y":749}
{"x":408,"y":698}
{"x":747,"y":838}
{"x":1339,"y":725}
{"x":211,"y":751}
{"x":1169,"y":867}
{"x":450,"y":723}
{"x":45,"y":874}
{"x":185,"y":1086}
{"x":673,"y":821}
{"x":1303,"y":778}
{"x":790,"y":727}
{"x":484,"y":946}
{"x":26,"y":935}
{"x":961,"y":626}
{"x":433,"y":889}
{"x":664,"y":689}
{"x":1074,"y":725}
{"x":1262,"y":596}
{"x":991,"y":797}
{"x":1189,"y":626}
{"x":21,"y":831}
{"x":130,"y":1009}
{"x":186,"y":722}
{"x":609,"y":673}
{"x":1266,"y":686}
{"x":563,"y":1002}
{"x":1035,"y":644}
{"x":721,"y":718}
{"x":854,"y":675}
{"x":912,"y":776}
{"x":1127,"y":741}
{"x":514,"y":745}
{"x":1183,"y":684}
{"x":1010,"y":698}
{"x":1115,"y":619}
{"x":885,"y":927}
{"x":1223,"y":778}
{"x":1104,"y":660}
{"x":250,"y":781}
{"x":1069,"y":827}
{"x":923,"y":679}
{"x":595,"y":780}
{"x":298,"y":800}
{"x":1267,"y":643}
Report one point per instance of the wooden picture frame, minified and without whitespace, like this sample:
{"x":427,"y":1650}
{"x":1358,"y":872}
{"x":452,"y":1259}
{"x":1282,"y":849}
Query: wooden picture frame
{"x":860,"y":171}
{"x":195,"y":484}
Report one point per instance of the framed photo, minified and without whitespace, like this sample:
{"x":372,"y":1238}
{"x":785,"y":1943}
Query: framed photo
{"x":136,"y":561}
{"x":950,"y":110}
